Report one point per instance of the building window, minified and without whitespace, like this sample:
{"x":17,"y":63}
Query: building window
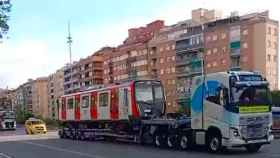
{"x":215,"y":50}
{"x":275,"y":32}
{"x":275,"y":58}
{"x":161,"y":49}
{"x":215,"y":37}
{"x":268,"y":57}
{"x":173,"y":82}
{"x":245,"y":45}
{"x":167,"y":48}
{"x":173,"y":58}
{"x":161,"y":60}
{"x":209,"y":52}
{"x":173,"y":69}
{"x":208,"y":38}
{"x":224,"y":49}
{"x":269,"y":43}
{"x":173,"y":46}
{"x":245,"y":32}
{"x":269,"y":30}
{"x":214,"y":64}
{"x":162,"y":71}
{"x":208,"y":65}
{"x":275,"y":45}
{"x":223,"y":35}
{"x":223,"y":61}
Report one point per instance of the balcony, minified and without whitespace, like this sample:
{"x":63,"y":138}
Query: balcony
{"x":190,"y":73}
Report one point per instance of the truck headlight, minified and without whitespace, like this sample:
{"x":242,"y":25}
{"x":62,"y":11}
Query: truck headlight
{"x":234,"y":132}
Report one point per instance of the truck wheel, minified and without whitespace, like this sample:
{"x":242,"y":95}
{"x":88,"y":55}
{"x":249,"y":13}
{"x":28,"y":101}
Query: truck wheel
{"x":252,"y":148}
{"x":171,"y":141}
{"x":159,"y":140}
{"x":184,"y":142}
{"x":214,"y":143}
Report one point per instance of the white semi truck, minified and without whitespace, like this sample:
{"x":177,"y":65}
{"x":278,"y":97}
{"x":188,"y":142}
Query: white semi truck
{"x":235,"y":110}
{"x":228,"y":109}
{"x":7,"y":120}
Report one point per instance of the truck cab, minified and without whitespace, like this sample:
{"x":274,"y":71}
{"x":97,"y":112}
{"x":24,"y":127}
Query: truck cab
{"x":231,"y":109}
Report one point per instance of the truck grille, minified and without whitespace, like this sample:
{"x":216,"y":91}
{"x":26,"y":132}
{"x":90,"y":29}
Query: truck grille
{"x":39,"y":128}
{"x":9,"y":125}
{"x":253,"y":127}
{"x":253,"y":131}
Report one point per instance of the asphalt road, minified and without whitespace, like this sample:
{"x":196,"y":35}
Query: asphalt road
{"x":52,"y":147}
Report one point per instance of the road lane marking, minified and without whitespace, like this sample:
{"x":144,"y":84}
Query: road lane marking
{"x":2,"y":155}
{"x":63,"y":150}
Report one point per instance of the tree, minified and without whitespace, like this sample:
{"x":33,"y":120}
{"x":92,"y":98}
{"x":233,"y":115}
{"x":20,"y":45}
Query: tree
{"x":5,"y":8}
{"x":275,"y":98}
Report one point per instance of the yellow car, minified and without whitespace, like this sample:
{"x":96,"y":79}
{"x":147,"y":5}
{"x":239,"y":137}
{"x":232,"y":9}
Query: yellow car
{"x":35,"y":126}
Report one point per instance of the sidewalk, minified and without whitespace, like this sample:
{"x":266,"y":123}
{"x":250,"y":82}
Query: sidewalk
{"x":48,"y":135}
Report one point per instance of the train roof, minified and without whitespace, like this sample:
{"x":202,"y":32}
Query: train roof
{"x":125,"y":84}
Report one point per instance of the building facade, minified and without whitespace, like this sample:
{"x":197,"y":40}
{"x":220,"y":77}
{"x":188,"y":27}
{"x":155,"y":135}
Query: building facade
{"x":130,"y":60}
{"x":40,"y":97}
{"x":248,"y":42}
{"x":55,"y":91}
{"x":85,"y":73}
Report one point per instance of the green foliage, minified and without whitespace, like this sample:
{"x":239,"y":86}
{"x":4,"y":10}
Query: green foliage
{"x":275,"y":98}
{"x":22,"y":116}
{"x":5,"y":8}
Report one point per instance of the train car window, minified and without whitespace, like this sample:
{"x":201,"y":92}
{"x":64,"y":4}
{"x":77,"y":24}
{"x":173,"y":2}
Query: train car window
{"x":125,"y":97}
{"x":70,"y":103}
{"x":85,"y":101}
{"x":103,"y":99}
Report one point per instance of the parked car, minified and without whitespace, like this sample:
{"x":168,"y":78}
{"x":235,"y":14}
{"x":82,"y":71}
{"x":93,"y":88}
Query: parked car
{"x":35,"y":126}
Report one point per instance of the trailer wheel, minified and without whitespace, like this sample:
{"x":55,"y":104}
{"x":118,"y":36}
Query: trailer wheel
{"x":171,"y":141}
{"x":184,"y":142}
{"x":214,"y":143}
{"x":159,"y":140}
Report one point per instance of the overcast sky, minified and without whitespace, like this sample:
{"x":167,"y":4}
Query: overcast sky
{"x":37,"y":38}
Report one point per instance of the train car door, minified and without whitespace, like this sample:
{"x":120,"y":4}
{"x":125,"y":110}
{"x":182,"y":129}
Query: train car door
{"x":93,"y":106}
{"x":114,"y":106}
{"x":85,"y":107}
{"x":70,"y":108}
{"x":104,"y":105}
{"x":77,"y":108}
{"x":123,"y":103}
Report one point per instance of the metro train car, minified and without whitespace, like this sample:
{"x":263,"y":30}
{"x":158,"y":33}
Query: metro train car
{"x":114,"y":108}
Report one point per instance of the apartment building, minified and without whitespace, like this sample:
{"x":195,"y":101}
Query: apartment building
{"x":55,"y":91}
{"x":162,"y":61}
{"x":91,"y":71}
{"x":24,"y":96}
{"x":248,"y":42}
{"x":7,"y":97}
{"x":130,"y":60}
{"x":84,"y":73}
{"x":40,"y":97}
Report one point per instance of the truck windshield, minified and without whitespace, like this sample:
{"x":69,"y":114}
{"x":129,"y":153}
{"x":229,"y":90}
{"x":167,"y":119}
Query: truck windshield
{"x":251,"y":95}
{"x":149,"y":96}
{"x":9,"y":115}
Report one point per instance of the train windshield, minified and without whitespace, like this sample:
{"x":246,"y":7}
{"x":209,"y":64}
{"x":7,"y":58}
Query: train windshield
{"x":149,"y":97}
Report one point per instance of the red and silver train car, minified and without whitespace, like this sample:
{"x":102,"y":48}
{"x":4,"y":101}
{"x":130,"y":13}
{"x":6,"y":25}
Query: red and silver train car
{"x":113,"y":103}
{"x":131,"y":111}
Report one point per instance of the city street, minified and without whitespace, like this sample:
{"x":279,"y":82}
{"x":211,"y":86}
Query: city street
{"x":46,"y":146}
